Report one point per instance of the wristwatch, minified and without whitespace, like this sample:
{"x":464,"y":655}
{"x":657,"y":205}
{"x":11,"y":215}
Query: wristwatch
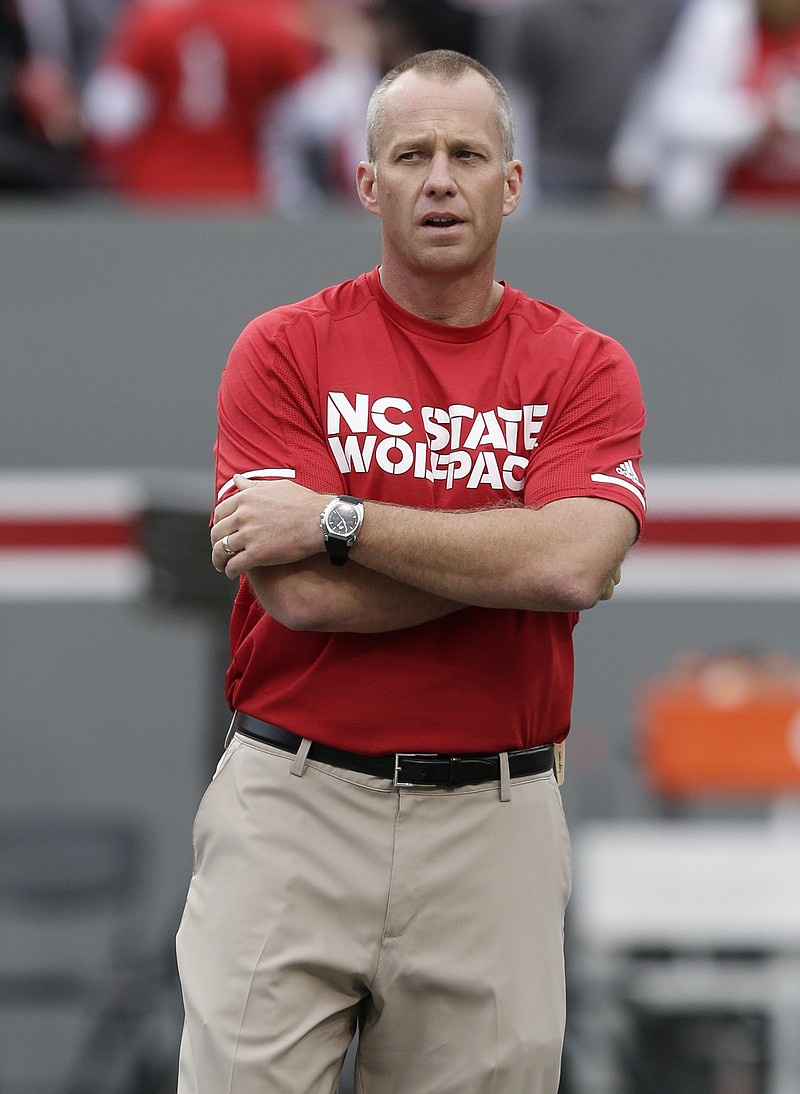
{"x":341,"y":522}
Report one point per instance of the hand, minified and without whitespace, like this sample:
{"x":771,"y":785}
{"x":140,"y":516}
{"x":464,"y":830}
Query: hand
{"x":265,"y":524}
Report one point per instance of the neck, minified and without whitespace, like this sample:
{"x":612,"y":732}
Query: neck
{"x":457,"y":302}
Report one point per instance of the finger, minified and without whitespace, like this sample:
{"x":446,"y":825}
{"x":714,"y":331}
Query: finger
{"x":221,"y":559}
{"x":226,"y":526}
{"x":225,"y":509}
{"x":243,"y":483}
{"x":234,"y":566}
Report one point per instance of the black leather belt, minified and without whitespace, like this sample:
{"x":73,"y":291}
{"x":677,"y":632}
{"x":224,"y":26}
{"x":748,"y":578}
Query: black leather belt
{"x":406,"y":768}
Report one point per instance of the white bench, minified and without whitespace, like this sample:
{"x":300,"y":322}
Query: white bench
{"x":705,"y":892}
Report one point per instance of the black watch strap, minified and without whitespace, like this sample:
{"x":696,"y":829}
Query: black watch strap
{"x":338,"y":549}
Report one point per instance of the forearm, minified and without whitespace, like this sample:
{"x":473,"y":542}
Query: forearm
{"x":313,"y":595}
{"x":559,"y":558}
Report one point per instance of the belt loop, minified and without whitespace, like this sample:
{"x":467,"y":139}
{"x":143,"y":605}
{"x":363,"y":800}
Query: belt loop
{"x":299,"y":762}
{"x":505,"y":778}
{"x":453,"y":765}
{"x":231,"y":731}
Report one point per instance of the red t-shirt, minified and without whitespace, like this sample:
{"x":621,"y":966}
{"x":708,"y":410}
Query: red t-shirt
{"x":211,"y":67}
{"x":347,"y":393}
{"x":772,"y":171}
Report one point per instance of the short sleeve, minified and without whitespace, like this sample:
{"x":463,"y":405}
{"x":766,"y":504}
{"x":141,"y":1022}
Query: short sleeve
{"x":268,"y":425}
{"x":592,"y":445}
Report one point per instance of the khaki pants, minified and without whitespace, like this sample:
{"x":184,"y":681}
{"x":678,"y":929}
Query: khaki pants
{"x":432,"y":918}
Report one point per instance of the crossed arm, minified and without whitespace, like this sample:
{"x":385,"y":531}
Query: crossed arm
{"x":410,"y":566}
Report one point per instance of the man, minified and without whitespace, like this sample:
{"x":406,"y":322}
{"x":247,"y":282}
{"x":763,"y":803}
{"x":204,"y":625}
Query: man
{"x":473,"y":454}
{"x":575,"y":65}
{"x":719,"y":118}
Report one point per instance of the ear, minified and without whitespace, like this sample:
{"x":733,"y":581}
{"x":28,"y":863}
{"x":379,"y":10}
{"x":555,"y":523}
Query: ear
{"x":513,"y":186}
{"x":366,"y":184}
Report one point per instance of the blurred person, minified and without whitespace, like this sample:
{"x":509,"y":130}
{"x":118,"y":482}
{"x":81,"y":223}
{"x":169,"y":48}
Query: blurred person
{"x":423,"y":476}
{"x":770,"y":169}
{"x":442,"y":24}
{"x":73,"y":31}
{"x":40,"y":128}
{"x":314,"y":137}
{"x":574,"y":65}
{"x":176,"y":109}
{"x":719,"y":118}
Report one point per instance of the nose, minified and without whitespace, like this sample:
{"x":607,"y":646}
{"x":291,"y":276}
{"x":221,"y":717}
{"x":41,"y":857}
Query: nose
{"x":440,"y":178}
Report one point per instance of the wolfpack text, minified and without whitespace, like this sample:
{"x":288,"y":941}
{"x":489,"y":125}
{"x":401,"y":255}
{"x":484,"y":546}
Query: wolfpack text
{"x":458,"y":443}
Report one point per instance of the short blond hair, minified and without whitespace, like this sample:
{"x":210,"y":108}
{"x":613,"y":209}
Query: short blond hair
{"x":441,"y":64}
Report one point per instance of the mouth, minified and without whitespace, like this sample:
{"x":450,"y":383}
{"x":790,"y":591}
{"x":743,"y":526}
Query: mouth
{"x":441,"y":221}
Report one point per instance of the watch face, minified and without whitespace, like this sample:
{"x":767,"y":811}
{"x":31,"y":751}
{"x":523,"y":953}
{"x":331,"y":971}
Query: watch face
{"x":343,"y":520}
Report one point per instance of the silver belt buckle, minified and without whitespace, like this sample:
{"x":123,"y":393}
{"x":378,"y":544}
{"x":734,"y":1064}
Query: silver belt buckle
{"x":398,"y":756}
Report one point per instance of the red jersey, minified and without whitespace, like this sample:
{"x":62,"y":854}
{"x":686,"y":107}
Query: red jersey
{"x":348,"y":393}
{"x":210,"y":68}
{"x":772,"y":171}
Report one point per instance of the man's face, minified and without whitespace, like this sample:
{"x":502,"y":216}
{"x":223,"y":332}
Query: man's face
{"x":439,"y":183}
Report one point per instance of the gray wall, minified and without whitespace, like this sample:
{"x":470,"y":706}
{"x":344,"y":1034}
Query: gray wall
{"x":113,"y":331}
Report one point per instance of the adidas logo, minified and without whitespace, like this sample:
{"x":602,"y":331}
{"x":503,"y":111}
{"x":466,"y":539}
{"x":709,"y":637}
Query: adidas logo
{"x":627,"y":471}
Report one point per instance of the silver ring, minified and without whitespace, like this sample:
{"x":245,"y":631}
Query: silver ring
{"x":226,"y":547}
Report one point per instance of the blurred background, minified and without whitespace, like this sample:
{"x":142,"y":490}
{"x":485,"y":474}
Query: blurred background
{"x":171,"y":168}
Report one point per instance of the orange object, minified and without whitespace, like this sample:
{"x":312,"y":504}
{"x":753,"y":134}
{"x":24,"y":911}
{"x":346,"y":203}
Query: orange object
{"x":727,"y":728}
